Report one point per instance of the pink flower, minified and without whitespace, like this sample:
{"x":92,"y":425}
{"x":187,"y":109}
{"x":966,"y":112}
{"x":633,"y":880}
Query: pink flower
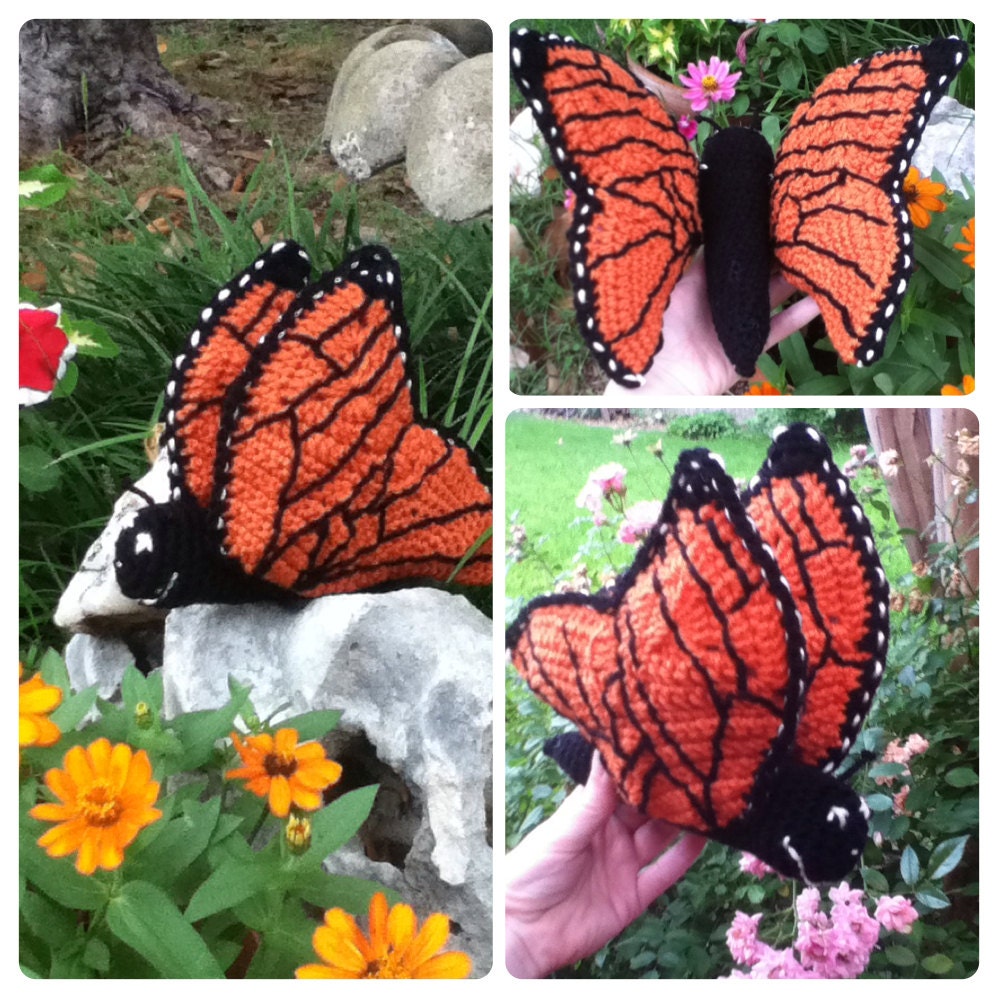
{"x":569,"y":199}
{"x":610,"y":478}
{"x":743,"y":938}
{"x":890,"y":463}
{"x":895,"y":914}
{"x":808,"y":903}
{"x":858,"y":451}
{"x":44,"y":351}
{"x":639,"y":521}
{"x":899,"y":799}
{"x":687,"y":127}
{"x":916,"y":745}
{"x":707,"y":83}
{"x":754,"y":866}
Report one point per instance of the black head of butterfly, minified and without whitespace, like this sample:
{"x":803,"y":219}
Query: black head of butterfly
{"x":736,"y":177}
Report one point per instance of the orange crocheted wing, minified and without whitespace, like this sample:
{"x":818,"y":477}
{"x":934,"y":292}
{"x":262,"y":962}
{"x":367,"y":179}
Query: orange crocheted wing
{"x":686,"y":675}
{"x":806,"y":512}
{"x":840,"y":222}
{"x":635,"y":221}
{"x":228,"y":329}
{"x":332,"y":484}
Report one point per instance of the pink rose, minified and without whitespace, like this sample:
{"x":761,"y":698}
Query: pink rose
{"x":895,"y":914}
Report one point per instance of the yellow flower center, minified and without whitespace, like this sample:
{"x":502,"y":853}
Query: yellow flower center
{"x":389,"y":967}
{"x":279,"y":764}
{"x":99,"y":805}
{"x":710,"y":84}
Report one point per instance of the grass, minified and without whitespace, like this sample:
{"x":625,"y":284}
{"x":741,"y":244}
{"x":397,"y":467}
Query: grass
{"x":552,"y":459}
{"x":107,"y":266}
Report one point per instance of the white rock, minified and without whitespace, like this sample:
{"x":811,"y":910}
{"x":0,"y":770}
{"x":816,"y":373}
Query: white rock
{"x":947,"y":144}
{"x":525,"y":156}
{"x":449,"y":142}
{"x":371,"y":106}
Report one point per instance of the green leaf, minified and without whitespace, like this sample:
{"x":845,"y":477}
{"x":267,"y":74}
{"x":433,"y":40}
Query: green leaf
{"x":796,"y":359}
{"x":931,"y":896}
{"x":910,"y":866}
{"x":961,"y":777}
{"x":73,"y":709}
{"x":36,"y":471}
{"x":891,"y":769}
{"x":90,"y":339}
{"x":815,"y":39}
{"x":349,"y":893}
{"x":875,"y":880}
{"x":143,"y":917}
{"x":938,"y":963}
{"x":42,"y":186}
{"x":338,"y":822}
{"x":199,"y":730}
{"x":879,"y":802}
{"x":945,"y":857}
{"x":180,"y":842}
{"x":790,"y":71}
{"x":788,"y":32}
{"x":943,"y":263}
{"x":57,"y":878}
{"x":314,"y":724}
{"x":900,"y":956}
{"x":826,"y":384}
{"x":96,"y":954}
{"x":235,"y":880}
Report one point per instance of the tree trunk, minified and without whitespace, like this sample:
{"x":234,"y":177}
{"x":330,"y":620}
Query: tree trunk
{"x":102,"y":78}
{"x":927,"y":496}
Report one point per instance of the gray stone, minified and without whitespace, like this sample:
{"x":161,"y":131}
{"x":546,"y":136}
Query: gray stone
{"x":470,"y":36}
{"x":449,"y":145}
{"x":374,"y":93}
{"x":97,"y":661}
{"x":411,"y":671}
{"x":947,"y":144}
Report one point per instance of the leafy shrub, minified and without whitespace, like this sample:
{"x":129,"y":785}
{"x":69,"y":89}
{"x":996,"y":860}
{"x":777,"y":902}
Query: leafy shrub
{"x":703,"y":426}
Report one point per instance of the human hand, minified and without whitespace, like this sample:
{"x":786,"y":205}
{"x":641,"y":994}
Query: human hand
{"x":692,"y":360}
{"x":585,"y":874}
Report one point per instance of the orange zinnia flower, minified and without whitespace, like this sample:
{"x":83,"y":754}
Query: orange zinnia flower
{"x":966,"y":387}
{"x":765,"y":388}
{"x":968,"y":246}
{"x":397,"y":947}
{"x":105,"y":799}
{"x":286,"y":773}
{"x":35,"y":699}
{"x":922,"y":194}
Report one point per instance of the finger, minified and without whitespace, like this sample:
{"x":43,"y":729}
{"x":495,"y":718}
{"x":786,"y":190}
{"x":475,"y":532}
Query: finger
{"x":588,"y":807}
{"x":792,"y":318}
{"x":668,"y":868}
{"x":652,"y":839}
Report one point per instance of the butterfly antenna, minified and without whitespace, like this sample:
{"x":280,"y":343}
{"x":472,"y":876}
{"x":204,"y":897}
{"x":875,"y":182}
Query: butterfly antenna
{"x":127,"y":485}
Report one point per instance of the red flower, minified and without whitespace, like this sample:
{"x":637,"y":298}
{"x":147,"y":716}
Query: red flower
{"x":44,"y":351}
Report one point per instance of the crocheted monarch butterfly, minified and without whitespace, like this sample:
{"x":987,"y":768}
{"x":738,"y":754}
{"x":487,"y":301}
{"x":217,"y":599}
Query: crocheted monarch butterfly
{"x":298,"y":463}
{"x":831,"y":208}
{"x":725,"y":676}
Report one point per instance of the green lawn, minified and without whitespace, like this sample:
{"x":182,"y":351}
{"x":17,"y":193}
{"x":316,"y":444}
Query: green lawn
{"x":547,"y":465}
